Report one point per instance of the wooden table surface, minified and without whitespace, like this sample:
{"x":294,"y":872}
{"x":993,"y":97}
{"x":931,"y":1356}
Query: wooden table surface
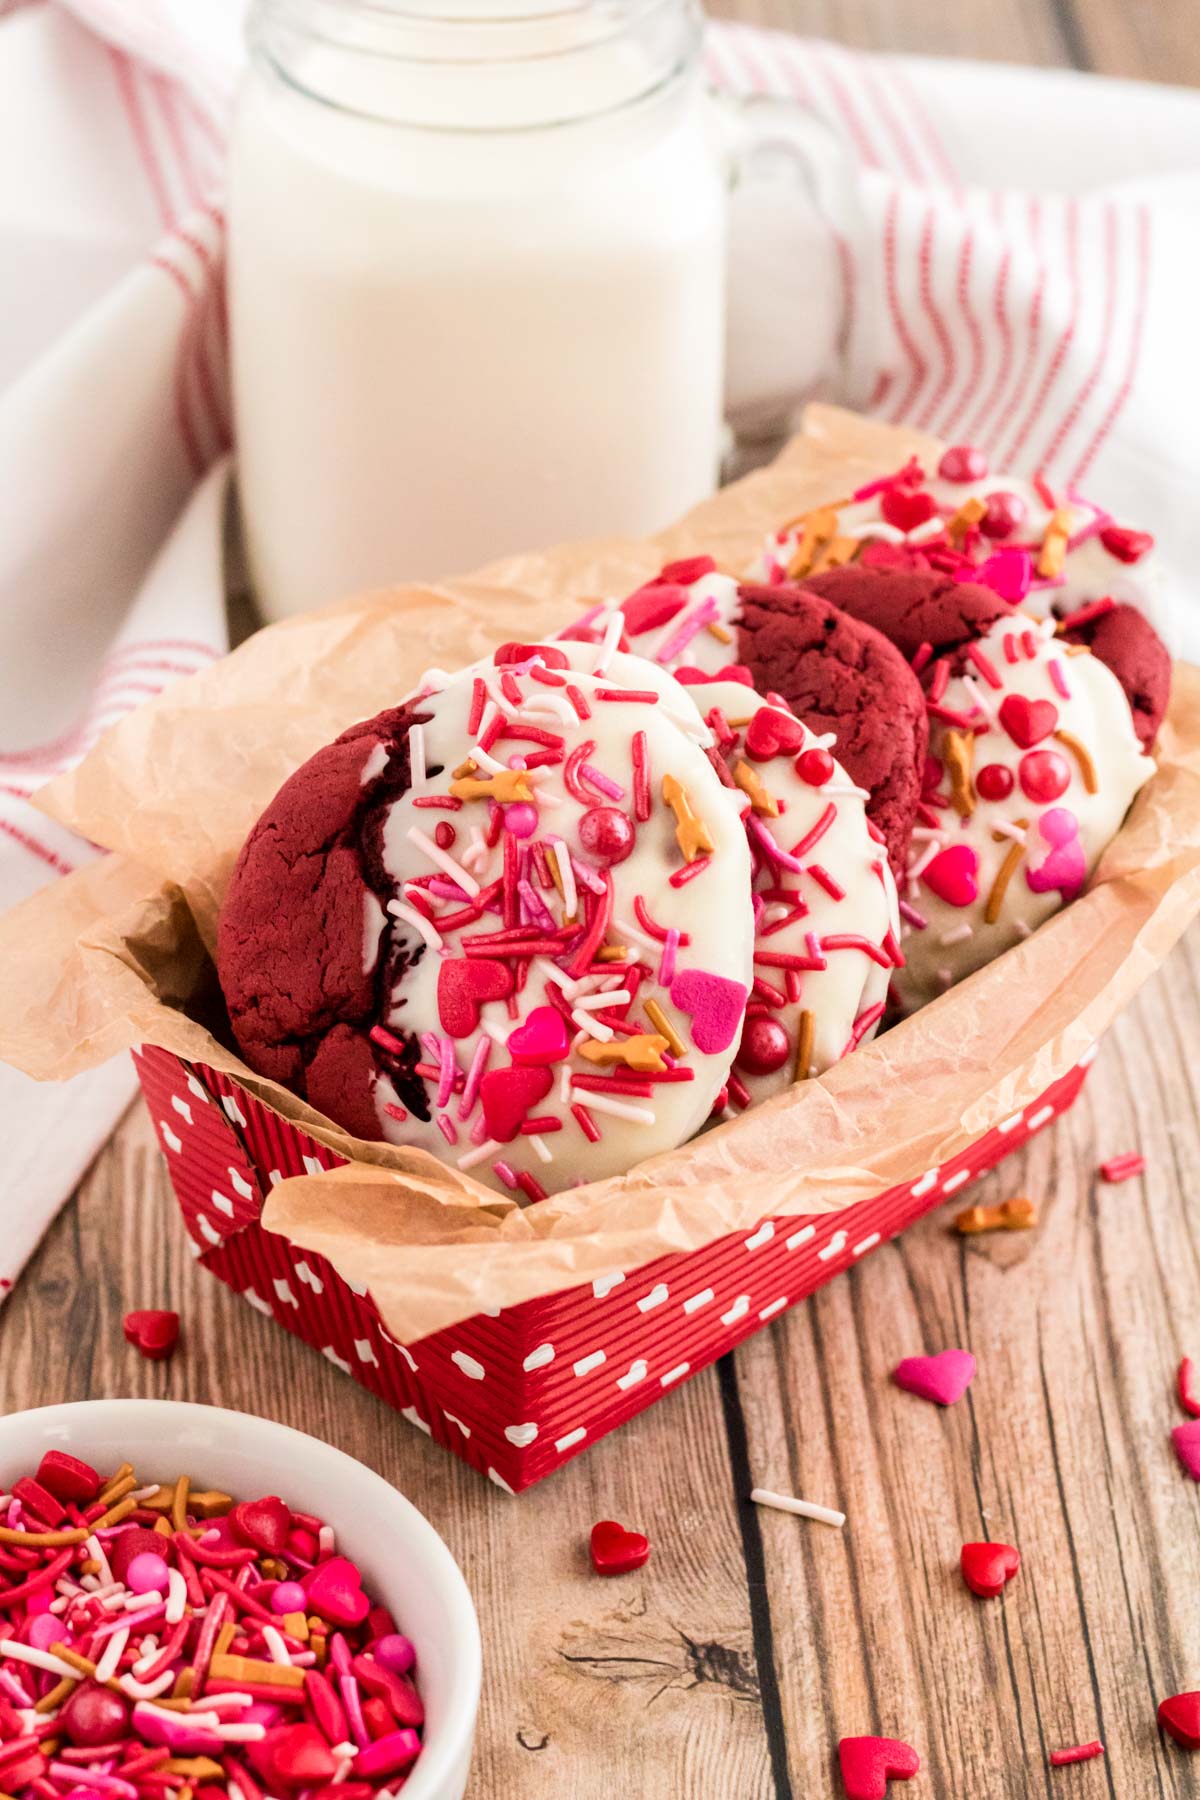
{"x":731,"y":1665}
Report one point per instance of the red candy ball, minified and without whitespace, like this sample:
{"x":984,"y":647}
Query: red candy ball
{"x":94,"y":1715}
{"x":963,"y":462}
{"x":1005,"y":514}
{"x":1044,"y":775}
{"x":994,"y":782}
{"x":765,"y":1046}
{"x":815,"y":767}
{"x":444,"y":834}
{"x":607,"y":834}
{"x":931,"y":774}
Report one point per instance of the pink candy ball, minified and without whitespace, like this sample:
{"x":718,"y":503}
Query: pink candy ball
{"x":1005,"y":514}
{"x":288,"y":1597}
{"x":394,"y":1652}
{"x":46,"y":1629}
{"x":963,"y":462}
{"x":94,"y":1715}
{"x":607,"y":834}
{"x":147,"y":1574}
{"x":520,"y":819}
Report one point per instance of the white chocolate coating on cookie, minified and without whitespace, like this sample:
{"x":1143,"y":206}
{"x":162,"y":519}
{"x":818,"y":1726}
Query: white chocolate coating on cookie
{"x":825,"y":897}
{"x":675,"y":624}
{"x":677,"y":821}
{"x":1090,"y":571}
{"x":1036,"y":781}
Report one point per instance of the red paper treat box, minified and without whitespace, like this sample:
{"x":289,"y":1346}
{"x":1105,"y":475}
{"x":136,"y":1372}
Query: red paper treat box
{"x":516,"y":1393}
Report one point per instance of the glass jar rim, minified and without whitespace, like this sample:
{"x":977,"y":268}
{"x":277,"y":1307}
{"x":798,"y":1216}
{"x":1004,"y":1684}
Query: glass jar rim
{"x":442,"y":39}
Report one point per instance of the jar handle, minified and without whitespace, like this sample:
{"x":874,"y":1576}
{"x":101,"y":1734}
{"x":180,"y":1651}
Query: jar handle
{"x":799,"y":320}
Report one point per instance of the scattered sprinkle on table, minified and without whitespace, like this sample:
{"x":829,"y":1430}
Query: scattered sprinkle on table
{"x":158,"y":1641}
{"x":1123,"y":1167}
{"x":1076,"y":1753}
{"x":153,"y":1333}
{"x":869,"y":1763}
{"x":616,"y":1551}
{"x":804,"y":1509}
{"x":1017,"y":1214}
{"x":1179,"y":1717}
{"x":1186,"y":1439}
{"x":944,"y":1377}
{"x":1189,"y":1399}
{"x":987,"y":1569}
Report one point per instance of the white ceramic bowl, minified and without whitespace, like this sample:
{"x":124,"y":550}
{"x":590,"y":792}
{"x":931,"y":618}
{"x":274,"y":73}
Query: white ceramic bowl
{"x":404,"y":1562}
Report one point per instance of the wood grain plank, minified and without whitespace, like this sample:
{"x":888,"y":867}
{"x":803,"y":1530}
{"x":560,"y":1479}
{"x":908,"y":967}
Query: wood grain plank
{"x":1061,"y":1447}
{"x":653,"y":1675}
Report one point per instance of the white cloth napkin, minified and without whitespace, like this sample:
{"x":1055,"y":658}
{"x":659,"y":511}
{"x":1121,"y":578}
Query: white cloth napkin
{"x":968,"y":251}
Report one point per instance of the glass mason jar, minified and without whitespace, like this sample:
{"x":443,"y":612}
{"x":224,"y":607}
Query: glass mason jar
{"x":477,"y":283}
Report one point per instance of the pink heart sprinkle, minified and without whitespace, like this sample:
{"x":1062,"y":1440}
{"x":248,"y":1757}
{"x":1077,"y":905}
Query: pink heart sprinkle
{"x":869,"y":1763}
{"x":1007,"y":572}
{"x":541,"y":1039}
{"x":944,"y":1377}
{"x":1066,"y":866}
{"x":953,"y":875}
{"x":334,"y":1590}
{"x":1186,"y":1439}
{"x":716,"y":1006}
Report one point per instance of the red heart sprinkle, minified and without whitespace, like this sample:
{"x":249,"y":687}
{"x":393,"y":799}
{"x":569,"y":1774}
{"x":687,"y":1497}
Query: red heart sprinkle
{"x":1126,"y":545}
{"x":616,"y":1551}
{"x":869,"y":1763}
{"x":400,"y":1695}
{"x":1179,"y":1717}
{"x":772,"y":733}
{"x":906,"y":511}
{"x":334,"y":1590}
{"x":298,"y":1756}
{"x":136,"y":1540}
{"x":508,"y":1096}
{"x":953,"y":875}
{"x":1027,"y":722}
{"x":988,"y":1568}
{"x":154,"y":1334}
{"x":653,"y":606}
{"x":521,"y":653}
{"x":39,"y":1501}
{"x":263,"y":1523}
{"x":541,"y":1039}
{"x":464,"y":983}
{"x":64,"y":1476}
{"x":944,"y":1377}
{"x":1189,"y":1399}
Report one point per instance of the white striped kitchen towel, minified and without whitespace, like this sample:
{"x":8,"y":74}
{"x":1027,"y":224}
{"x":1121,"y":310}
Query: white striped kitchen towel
{"x":1004,"y":255}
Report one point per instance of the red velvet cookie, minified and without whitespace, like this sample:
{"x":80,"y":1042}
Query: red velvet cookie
{"x":841,"y":675}
{"x":1125,"y":641}
{"x":302,"y":900}
{"x":911,"y":606}
{"x":836,"y":673}
{"x":509,"y":923}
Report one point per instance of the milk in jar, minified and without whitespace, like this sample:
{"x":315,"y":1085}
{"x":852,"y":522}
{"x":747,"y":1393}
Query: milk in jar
{"x":476,"y":289}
